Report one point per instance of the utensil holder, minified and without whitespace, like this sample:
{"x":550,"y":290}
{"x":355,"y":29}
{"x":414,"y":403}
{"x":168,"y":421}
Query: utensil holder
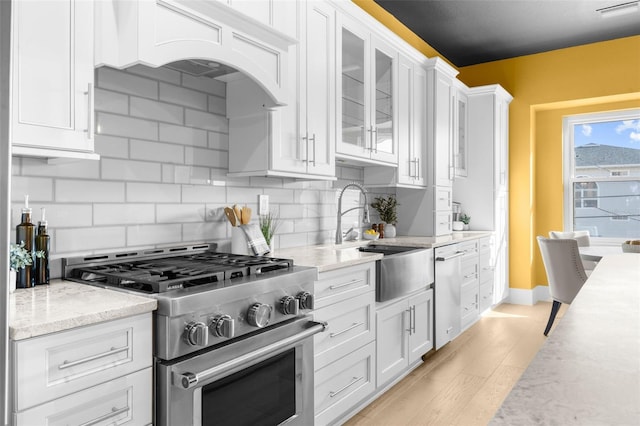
{"x":239,"y":243}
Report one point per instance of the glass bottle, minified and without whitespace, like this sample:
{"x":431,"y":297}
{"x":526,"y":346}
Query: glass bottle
{"x":42,"y":245}
{"x":25,"y":233}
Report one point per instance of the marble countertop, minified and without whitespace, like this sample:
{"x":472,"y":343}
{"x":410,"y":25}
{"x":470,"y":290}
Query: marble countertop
{"x":327,"y":257}
{"x":64,"y":304}
{"x":588,"y":370}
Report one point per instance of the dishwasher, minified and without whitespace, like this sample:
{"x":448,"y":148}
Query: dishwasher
{"x":448,"y":276}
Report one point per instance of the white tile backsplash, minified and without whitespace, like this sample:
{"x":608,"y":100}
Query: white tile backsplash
{"x":163,"y":181}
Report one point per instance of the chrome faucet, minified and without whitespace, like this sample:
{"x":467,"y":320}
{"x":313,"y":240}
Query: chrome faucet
{"x":365,"y":216}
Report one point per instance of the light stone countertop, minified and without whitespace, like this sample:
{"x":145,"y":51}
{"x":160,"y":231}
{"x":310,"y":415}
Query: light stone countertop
{"x":63,"y":305}
{"x":588,"y":370}
{"x":327,"y":257}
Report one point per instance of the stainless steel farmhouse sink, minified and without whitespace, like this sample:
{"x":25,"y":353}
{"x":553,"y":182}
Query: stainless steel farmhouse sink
{"x":401,"y":271}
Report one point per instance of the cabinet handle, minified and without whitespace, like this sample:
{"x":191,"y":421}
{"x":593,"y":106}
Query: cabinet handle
{"x":344,"y":388}
{"x":113,"y":351}
{"x":89,"y":93}
{"x":306,"y":139}
{"x":114,"y":412}
{"x":370,"y":131}
{"x":453,"y":256}
{"x":413,"y":319}
{"x":418,"y":167}
{"x":333,"y":287}
{"x":354,"y":325}
{"x":410,"y":320}
{"x":470,"y":275}
{"x":374,"y":142}
{"x":314,"y":150}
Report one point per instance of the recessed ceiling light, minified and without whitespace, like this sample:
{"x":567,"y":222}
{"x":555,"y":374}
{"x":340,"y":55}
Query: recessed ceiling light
{"x":619,"y":9}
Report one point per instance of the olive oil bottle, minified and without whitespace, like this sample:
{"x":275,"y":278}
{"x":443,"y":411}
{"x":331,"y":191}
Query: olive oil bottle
{"x":42,"y":246}
{"x":25,"y":233}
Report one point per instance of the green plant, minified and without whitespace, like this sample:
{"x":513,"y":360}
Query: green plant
{"x":465,"y":218}
{"x":386,"y":208}
{"x":269,"y":224}
{"x":20,"y":258}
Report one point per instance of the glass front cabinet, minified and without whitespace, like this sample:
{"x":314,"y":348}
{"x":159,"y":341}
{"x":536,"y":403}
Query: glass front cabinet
{"x":368,"y":68}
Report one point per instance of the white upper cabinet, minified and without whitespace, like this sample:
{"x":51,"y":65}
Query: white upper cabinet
{"x":296,"y":140}
{"x":367,"y":66}
{"x":411,"y":131}
{"x":52,"y":78}
{"x":460,"y":133}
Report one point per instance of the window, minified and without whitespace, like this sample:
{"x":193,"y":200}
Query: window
{"x":602,"y":173}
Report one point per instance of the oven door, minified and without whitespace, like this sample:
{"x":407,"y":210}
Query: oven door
{"x":264,"y":379}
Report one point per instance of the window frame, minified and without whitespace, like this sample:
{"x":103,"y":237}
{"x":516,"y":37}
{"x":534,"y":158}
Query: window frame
{"x":568,"y":163}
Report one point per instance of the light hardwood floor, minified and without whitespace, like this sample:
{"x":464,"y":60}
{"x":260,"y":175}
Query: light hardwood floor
{"x":465,"y":382}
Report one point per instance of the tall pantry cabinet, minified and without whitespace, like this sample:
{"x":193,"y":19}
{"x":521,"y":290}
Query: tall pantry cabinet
{"x":484,"y":193}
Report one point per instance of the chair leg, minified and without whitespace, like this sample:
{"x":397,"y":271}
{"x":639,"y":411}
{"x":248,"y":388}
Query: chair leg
{"x":554,"y":311}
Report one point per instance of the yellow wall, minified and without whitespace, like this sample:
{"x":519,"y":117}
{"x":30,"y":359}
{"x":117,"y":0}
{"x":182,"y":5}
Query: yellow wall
{"x":545,"y":86}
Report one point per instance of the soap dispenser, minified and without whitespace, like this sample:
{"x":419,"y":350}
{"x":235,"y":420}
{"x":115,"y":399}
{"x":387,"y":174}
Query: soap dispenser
{"x":42,"y":245}
{"x":25,"y":234}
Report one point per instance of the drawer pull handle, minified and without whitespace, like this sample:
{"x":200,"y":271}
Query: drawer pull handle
{"x":333,"y":287}
{"x":354,"y":325}
{"x":114,"y":412}
{"x":344,"y":388}
{"x":113,"y":351}
{"x":470,"y":275}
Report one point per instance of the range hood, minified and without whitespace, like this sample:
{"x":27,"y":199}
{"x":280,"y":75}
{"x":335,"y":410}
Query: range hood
{"x":201,"y":38}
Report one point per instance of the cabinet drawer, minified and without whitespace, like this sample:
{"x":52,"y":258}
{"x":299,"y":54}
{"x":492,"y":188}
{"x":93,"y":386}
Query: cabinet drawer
{"x":484,"y":245}
{"x":341,"y":385}
{"x":468,"y":305}
{"x":122,"y":401}
{"x":55,"y":365}
{"x":442,"y":200}
{"x":351,"y":325}
{"x":470,"y":247}
{"x":442,"y":223}
{"x":469,"y":271}
{"x":486,"y":295}
{"x":335,"y":286}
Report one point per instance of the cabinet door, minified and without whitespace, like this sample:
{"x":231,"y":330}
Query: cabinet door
{"x":440,"y":114}
{"x":421,"y":336}
{"x":52,"y":83}
{"x":460,"y":135}
{"x":406,"y":157}
{"x":392,"y":328}
{"x":354,"y":70}
{"x":419,"y":136}
{"x":319,"y":131}
{"x":383,"y":102}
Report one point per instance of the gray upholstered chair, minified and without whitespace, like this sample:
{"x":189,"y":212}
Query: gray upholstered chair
{"x":565,"y":272}
{"x":584,"y":240}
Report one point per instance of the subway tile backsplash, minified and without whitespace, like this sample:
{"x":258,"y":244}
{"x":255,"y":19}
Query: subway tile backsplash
{"x":162,"y":177}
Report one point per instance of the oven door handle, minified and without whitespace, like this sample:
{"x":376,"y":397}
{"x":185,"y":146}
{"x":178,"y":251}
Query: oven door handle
{"x":189,"y":380}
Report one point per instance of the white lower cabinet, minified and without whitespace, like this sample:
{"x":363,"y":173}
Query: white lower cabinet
{"x":404,"y":332}
{"x":98,"y":374}
{"x":486,"y":275}
{"x":123,"y":401}
{"x":344,"y":355}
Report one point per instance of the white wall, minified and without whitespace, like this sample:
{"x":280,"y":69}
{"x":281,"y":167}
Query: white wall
{"x":161,"y":179}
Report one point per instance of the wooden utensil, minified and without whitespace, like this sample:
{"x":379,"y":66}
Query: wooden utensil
{"x":246,"y":215}
{"x":238,"y":212}
{"x":230,"y":215}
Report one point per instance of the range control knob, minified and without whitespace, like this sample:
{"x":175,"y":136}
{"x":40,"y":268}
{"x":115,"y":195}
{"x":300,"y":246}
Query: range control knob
{"x":196,"y":334}
{"x":222,"y":326}
{"x":306,"y":300}
{"x":289,"y":305}
{"x":259,"y":315}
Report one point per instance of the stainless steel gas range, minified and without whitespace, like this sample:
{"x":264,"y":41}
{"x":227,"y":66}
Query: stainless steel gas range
{"x":232,"y":333}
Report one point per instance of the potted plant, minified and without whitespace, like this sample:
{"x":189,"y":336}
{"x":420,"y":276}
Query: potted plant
{"x":465,"y":218}
{"x":269,"y":224}
{"x":19,"y":258}
{"x":387,"y":210}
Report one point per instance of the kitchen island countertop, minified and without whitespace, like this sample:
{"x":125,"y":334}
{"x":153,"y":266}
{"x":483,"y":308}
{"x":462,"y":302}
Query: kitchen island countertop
{"x":588,"y":370}
{"x":327,"y":257}
{"x":63,"y":305}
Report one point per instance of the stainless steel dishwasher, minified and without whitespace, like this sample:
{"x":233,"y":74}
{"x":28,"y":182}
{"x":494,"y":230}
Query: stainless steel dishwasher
{"x":448,"y":276}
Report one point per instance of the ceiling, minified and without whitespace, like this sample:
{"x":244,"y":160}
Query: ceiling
{"x":477,"y":31}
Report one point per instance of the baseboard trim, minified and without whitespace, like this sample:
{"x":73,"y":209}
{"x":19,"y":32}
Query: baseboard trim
{"x":519,"y":296}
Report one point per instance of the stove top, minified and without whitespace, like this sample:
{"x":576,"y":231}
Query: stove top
{"x":163,"y":270}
